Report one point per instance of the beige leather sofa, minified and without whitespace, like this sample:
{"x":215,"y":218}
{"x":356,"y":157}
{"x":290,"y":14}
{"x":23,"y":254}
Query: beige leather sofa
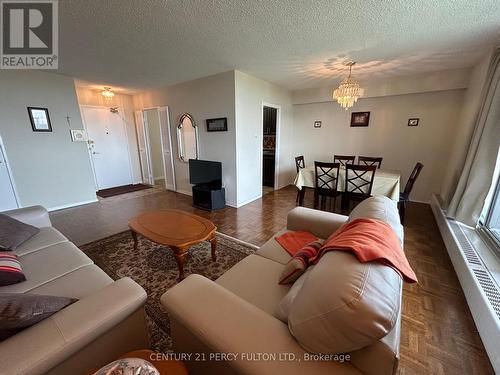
{"x":235,"y":325}
{"x":105,"y":322}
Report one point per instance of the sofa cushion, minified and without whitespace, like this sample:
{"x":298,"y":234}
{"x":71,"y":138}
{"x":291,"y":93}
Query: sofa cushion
{"x":14,"y":232}
{"x":19,"y":311}
{"x":11,"y":271}
{"x":345,"y":305}
{"x":48,"y":264}
{"x":46,"y":237}
{"x":380,"y":208}
{"x":255,"y":279}
{"x":77,"y":284}
{"x":274,"y":251}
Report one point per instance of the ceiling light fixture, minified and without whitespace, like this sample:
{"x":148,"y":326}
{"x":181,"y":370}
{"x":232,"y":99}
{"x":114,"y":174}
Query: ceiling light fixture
{"x":107,"y":93}
{"x":349,"y":90}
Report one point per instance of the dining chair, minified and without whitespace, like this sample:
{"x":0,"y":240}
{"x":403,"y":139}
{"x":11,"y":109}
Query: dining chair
{"x":404,"y":197}
{"x":344,"y":159}
{"x":299,"y":164}
{"x":358,"y":184}
{"x":368,"y":160}
{"x":326,"y":176}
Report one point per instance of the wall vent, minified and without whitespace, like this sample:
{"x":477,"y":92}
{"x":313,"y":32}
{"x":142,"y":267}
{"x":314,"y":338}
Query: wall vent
{"x":482,"y":274}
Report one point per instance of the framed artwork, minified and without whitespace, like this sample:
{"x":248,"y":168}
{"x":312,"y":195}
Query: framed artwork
{"x":317,"y":124}
{"x":360,"y":119}
{"x":217,"y":124}
{"x":78,"y":135}
{"x":40,"y":120}
{"x":413,"y":121}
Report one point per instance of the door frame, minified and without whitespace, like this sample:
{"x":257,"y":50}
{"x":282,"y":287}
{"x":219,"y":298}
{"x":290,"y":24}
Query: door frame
{"x":124,"y":125}
{"x":166,"y":125}
{"x":277,"y":141}
{"x":9,"y":171}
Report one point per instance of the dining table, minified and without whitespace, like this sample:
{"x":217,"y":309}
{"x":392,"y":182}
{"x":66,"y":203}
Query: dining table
{"x":385,"y":182}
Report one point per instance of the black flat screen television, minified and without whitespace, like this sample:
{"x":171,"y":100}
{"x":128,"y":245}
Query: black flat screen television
{"x":204,"y":172}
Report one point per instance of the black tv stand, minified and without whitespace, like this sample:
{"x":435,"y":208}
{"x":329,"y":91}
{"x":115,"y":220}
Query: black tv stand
{"x":209,"y":197}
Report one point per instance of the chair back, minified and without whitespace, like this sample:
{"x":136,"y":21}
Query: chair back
{"x":412,"y":179}
{"x":344,"y":159}
{"x":359,"y":179}
{"x":326,"y":177}
{"x":368,"y":160}
{"x":299,"y":162}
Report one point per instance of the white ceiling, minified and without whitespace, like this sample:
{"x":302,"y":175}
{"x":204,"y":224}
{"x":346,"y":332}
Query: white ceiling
{"x":142,"y":44}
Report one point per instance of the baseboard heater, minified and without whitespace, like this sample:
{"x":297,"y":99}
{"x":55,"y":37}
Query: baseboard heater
{"x":481,"y":291}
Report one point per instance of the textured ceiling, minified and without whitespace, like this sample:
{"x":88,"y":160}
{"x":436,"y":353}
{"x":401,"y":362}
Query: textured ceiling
{"x":141,"y":44}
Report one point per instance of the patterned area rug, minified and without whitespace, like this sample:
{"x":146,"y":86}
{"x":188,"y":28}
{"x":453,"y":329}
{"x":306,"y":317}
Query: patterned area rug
{"x":154,"y":268}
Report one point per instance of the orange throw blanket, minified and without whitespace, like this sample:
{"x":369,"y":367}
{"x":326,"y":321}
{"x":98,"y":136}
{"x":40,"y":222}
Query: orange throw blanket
{"x":292,"y":242}
{"x":370,"y":240}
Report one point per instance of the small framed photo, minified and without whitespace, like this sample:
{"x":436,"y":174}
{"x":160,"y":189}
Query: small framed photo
{"x":413,"y":121}
{"x":40,"y":120}
{"x":217,"y":124}
{"x":317,"y":124}
{"x":360,"y":119}
{"x":78,"y":135}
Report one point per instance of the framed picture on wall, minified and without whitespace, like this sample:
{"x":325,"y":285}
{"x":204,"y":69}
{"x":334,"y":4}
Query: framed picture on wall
{"x":40,"y":120}
{"x":217,"y":124}
{"x":413,"y":121}
{"x":360,"y":119}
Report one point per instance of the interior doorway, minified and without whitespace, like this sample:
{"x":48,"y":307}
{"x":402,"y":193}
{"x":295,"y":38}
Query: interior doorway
{"x":270,"y":127}
{"x":155,"y":147}
{"x":8,"y":197}
{"x":108,"y":146}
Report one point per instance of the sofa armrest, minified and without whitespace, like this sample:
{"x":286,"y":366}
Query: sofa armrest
{"x":39,"y":348}
{"x":319,"y":223}
{"x":225,"y":323}
{"x":37,"y":216}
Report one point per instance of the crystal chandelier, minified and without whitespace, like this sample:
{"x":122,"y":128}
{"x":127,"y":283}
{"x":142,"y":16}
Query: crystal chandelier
{"x":107,"y":93}
{"x":349,"y":90}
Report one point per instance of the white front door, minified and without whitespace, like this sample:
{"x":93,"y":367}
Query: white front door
{"x":108,"y":147}
{"x":8,"y":199}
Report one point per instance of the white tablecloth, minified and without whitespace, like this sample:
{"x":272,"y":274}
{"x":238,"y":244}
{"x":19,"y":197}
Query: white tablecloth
{"x":386,"y":182}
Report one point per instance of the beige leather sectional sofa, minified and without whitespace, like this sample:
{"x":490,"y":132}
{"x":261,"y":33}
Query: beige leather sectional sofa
{"x":243,"y":322}
{"x":105,"y":322}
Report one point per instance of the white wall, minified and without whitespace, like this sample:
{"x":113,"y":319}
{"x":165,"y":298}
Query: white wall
{"x":387,"y":135}
{"x":250,"y":94}
{"x":48,"y":168}
{"x":465,"y":128}
{"x":87,"y":96}
{"x":204,"y":98}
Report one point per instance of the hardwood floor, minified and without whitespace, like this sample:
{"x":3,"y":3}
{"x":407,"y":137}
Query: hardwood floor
{"x":438,"y":333}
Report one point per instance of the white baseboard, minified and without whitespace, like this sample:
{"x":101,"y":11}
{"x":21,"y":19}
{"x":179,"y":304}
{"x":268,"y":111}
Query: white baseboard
{"x":487,"y":322}
{"x":62,"y":207}
{"x":240,"y":204}
{"x":185,"y":192}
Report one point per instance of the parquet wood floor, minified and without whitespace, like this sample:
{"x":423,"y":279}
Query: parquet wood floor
{"x":438,"y":333}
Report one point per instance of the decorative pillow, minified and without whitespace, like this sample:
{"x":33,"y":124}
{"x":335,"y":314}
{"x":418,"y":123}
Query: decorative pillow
{"x":128,"y":366}
{"x":14,"y":232}
{"x":11,"y":271}
{"x":299,"y":263}
{"x":19,"y":311}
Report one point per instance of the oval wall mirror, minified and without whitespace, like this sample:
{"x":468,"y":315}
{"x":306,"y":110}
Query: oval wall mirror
{"x":187,"y":138}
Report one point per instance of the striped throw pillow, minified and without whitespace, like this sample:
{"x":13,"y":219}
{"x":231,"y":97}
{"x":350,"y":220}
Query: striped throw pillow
{"x":299,"y":263}
{"x":11,"y":271}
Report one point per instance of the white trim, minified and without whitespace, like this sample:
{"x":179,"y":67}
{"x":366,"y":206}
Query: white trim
{"x":185,"y":192}
{"x":240,"y":204}
{"x":241,"y":242}
{"x":69,"y":205}
{"x":9,"y":171}
{"x":486,"y":321}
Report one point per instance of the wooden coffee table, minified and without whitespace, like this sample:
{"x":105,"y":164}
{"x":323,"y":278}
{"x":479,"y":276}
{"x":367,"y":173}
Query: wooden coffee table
{"x":176,"y":229}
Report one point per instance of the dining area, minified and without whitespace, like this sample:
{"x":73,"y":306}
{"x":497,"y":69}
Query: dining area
{"x":345,"y":180}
